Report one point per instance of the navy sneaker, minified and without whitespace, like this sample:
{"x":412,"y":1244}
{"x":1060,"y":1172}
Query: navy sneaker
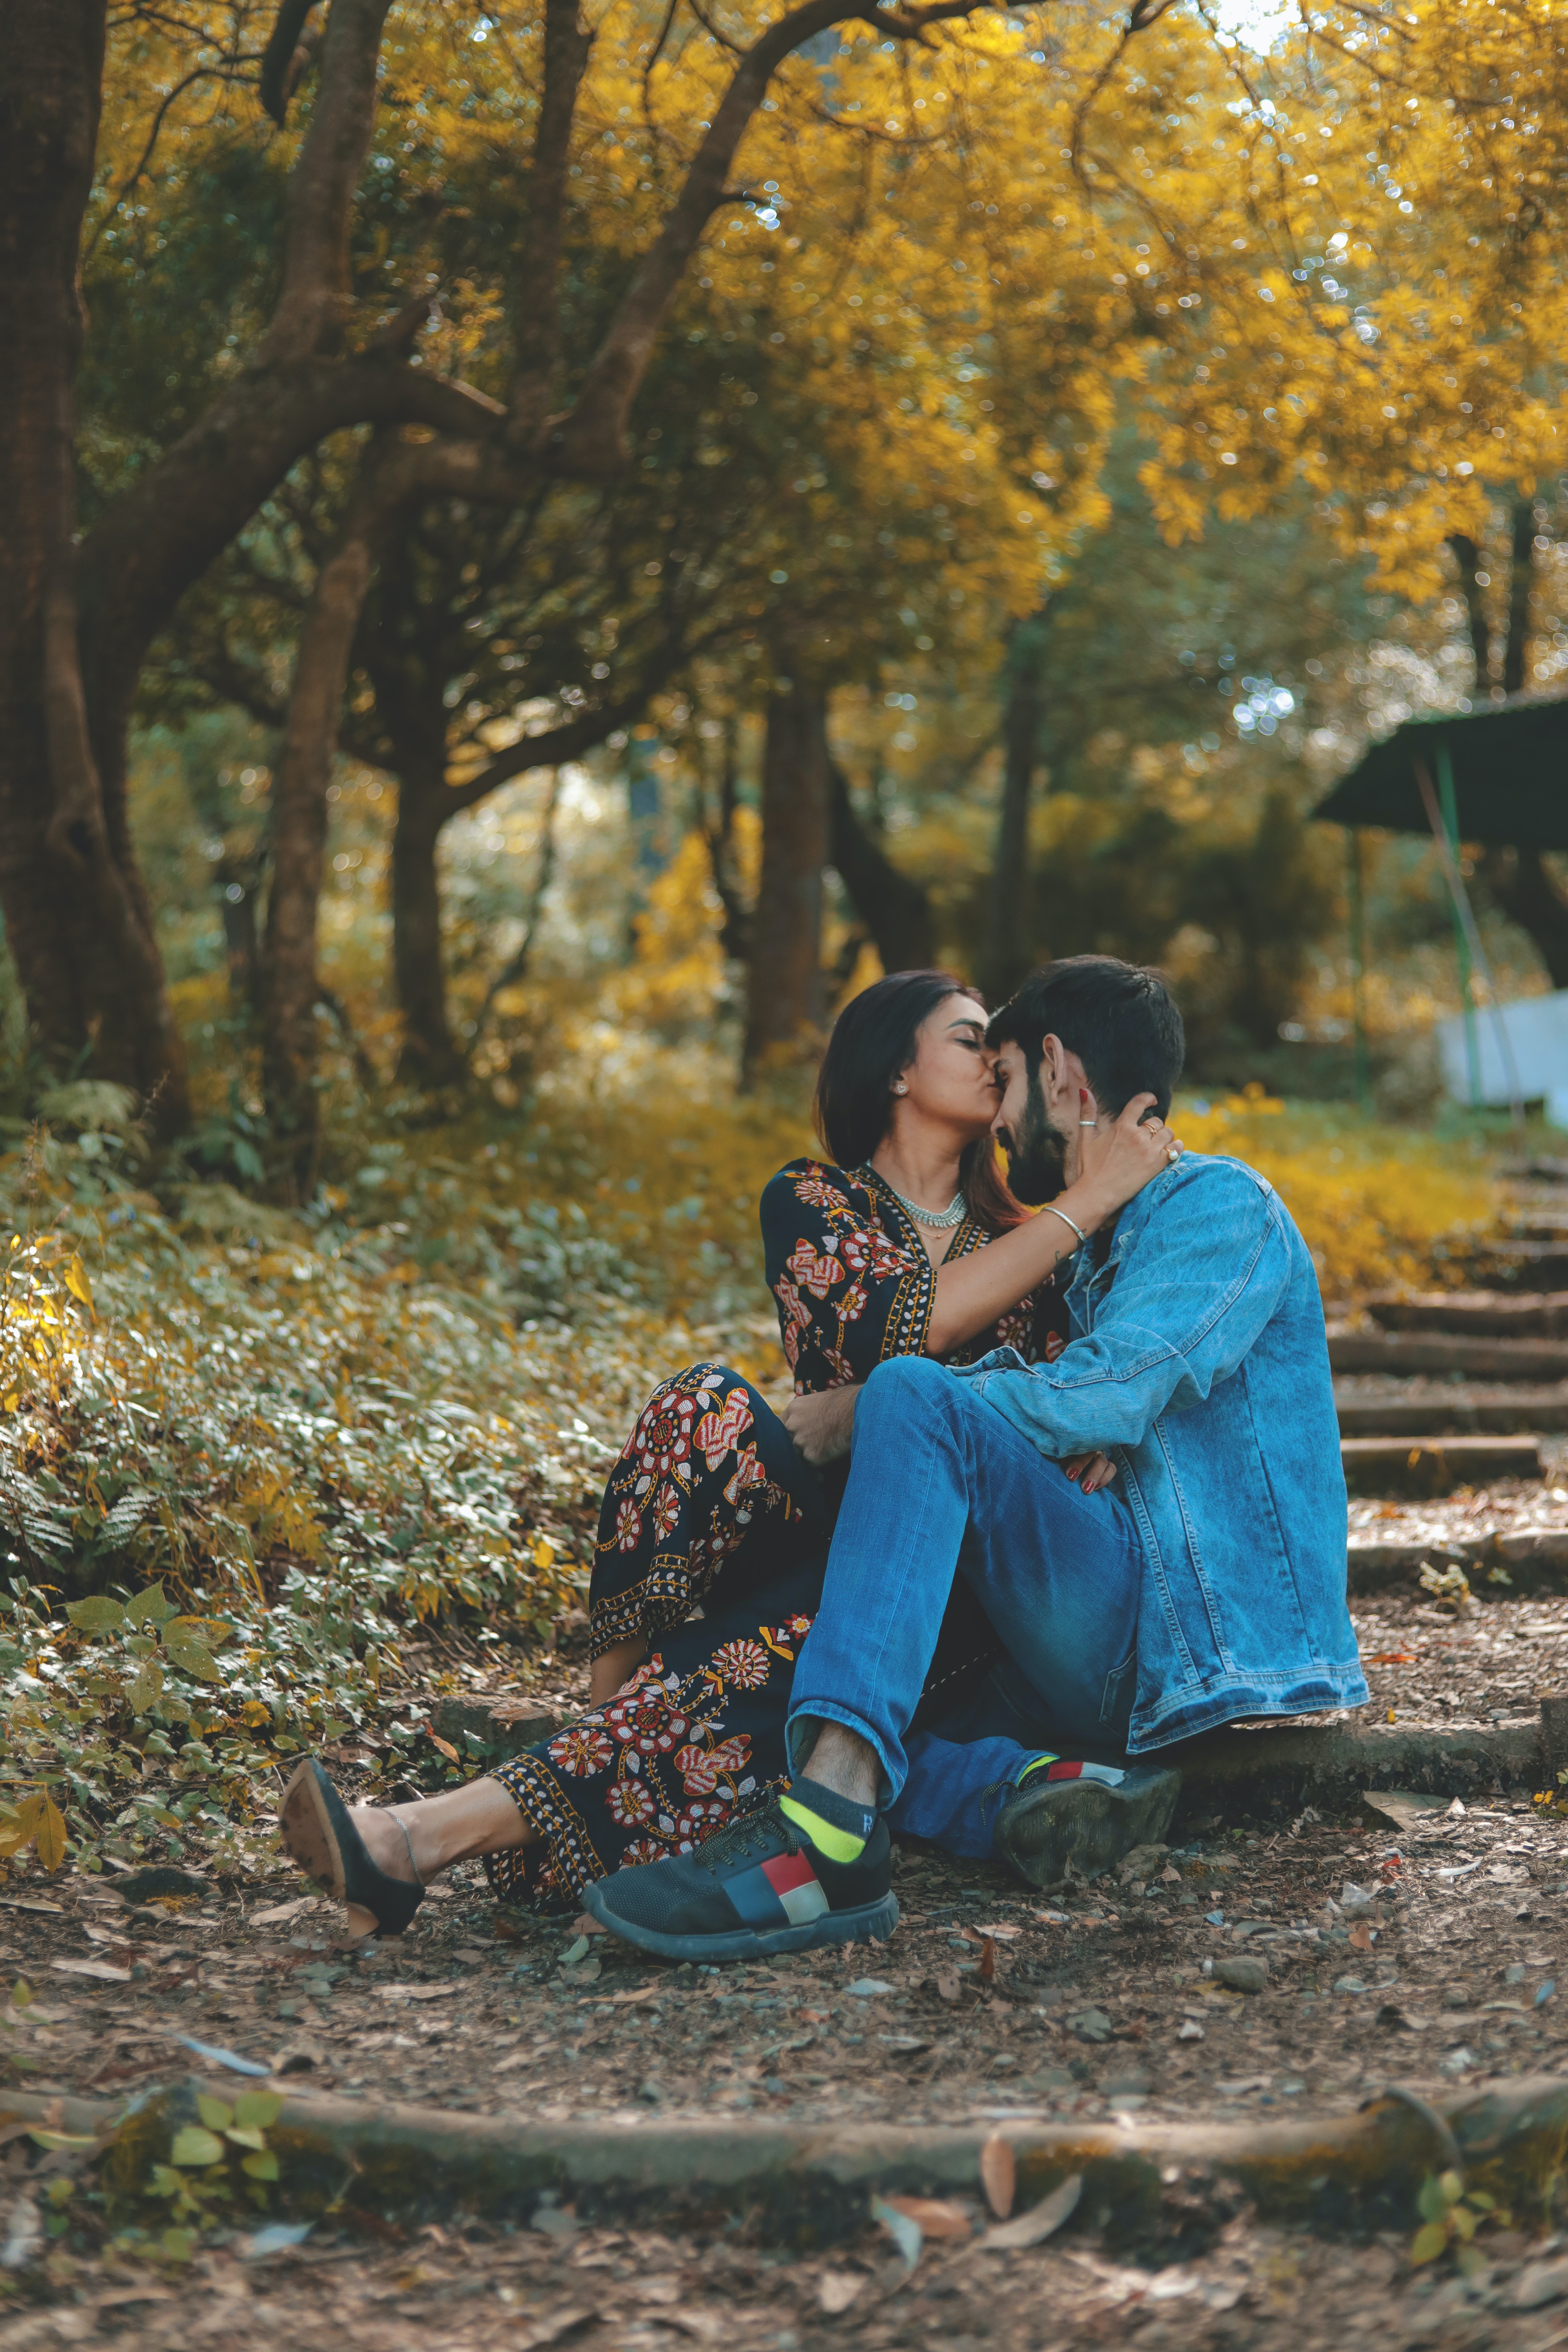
{"x":1086,"y":1814}
{"x":756,"y":1886}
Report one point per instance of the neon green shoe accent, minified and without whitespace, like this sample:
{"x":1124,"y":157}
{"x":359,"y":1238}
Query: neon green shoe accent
{"x":1037,"y":1764}
{"x":836,"y":1845}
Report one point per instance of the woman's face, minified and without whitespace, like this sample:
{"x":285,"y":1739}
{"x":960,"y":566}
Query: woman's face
{"x":951,"y":1080}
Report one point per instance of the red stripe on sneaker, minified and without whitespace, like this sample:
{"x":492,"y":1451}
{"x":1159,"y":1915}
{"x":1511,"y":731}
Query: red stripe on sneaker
{"x":1061,"y":1771}
{"x":787,"y":1870}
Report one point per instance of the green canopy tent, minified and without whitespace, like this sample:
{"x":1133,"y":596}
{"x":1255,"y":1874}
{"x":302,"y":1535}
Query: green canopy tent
{"x":1498,"y":775}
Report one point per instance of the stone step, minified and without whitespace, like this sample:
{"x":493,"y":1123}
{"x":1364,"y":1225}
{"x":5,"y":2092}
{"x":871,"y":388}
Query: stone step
{"x":1476,"y":1358}
{"x":1499,"y":1567}
{"x":1541,"y":1170}
{"x":1435,"y":1466}
{"x":1487,"y":1314}
{"x":1540,"y":1265}
{"x":1476,"y":1413}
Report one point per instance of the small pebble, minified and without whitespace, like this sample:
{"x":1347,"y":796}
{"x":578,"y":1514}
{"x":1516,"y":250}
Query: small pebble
{"x":1242,"y":1972}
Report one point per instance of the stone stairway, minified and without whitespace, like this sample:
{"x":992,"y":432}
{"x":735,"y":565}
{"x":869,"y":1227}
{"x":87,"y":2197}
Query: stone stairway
{"x":1458,"y":1388}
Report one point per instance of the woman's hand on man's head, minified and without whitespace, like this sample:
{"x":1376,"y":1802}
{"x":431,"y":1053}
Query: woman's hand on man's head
{"x":1119,"y":1157}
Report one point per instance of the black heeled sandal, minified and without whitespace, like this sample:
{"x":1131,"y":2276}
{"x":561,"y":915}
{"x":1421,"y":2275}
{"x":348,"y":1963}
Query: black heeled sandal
{"x":319,"y":1833}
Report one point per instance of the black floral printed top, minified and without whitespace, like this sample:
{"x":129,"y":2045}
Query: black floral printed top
{"x":852,"y":1281}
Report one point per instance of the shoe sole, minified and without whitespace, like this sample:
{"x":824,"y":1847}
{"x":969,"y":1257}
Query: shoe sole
{"x":308,"y":1835}
{"x":311,"y":1838}
{"x":1088,"y":1823}
{"x":857,"y":1927}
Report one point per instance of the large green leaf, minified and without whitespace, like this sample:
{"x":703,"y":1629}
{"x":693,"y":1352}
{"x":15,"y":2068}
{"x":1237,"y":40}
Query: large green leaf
{"x":152,"y":1606}
{"x":146,"y":1688}
{"x":97,"y":1614}
{"x":194,"y":2146}
{"x":189,"y":1650}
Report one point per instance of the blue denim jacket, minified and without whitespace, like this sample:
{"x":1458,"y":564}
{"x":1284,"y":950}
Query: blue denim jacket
{"x":1199,"y":1360}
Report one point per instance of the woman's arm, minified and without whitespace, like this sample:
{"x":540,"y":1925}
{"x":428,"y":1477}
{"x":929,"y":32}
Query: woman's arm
{"x":974,"y":1291}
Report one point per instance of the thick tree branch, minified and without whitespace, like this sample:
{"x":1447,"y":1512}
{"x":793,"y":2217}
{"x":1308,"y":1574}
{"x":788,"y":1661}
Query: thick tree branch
{"x":313,"y":306}
{"x":536,"y":289}
{"x":588,"y":441}
{"x":185,"y":509}
{"x":570,"y":741}
{"x":277,"y":74}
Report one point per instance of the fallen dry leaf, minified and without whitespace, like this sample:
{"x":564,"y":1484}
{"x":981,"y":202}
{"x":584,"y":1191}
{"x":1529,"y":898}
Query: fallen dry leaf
{"x":1361,"y":1937}
{"x":987,"y":1960}
{"x":1039,"y":2222}
{"x":933,"y":2216}
{"x":105,"y":1970}
{"x":837,"y":2290}
{"x":998,"y":2175}
{"x":947,"y":1985}
{"x":552,"y":2330}
{"x":415,"y":1992}
{"x":275,"y":1913}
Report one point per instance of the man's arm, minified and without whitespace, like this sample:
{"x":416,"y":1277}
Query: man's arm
{"x":1209,"y":1269}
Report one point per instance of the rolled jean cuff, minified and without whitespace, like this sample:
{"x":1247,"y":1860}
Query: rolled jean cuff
{"x":894,"y":1765}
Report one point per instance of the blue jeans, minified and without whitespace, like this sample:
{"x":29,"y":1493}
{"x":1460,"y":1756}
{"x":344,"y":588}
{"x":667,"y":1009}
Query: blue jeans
{"x":941,"y":1485}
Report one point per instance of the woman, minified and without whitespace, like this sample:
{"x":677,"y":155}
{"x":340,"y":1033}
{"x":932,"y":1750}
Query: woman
{"x":716,"y":1520}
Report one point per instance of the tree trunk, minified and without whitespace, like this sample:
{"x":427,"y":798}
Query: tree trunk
{"x":428,"y":1055}
{"x":1009,"y":949}
{"x":77,"y":914}
{"x":289,"y":990}
{"x":1521,"y":581}
{"x":783,"y":995}
{"x":895,"y":908}
{"x":1468,"y":556}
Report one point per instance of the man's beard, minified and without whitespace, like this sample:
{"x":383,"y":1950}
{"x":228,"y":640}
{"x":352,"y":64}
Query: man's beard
{"x":1037,"y":1155}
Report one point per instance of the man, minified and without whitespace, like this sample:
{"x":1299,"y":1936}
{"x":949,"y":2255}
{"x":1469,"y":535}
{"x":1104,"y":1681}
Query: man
{"x":1211,"y":1587}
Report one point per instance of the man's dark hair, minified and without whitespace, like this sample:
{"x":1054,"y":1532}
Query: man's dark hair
{"x":1119,"y":1019}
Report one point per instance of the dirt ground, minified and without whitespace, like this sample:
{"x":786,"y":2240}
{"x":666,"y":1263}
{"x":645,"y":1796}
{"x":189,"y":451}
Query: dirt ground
{"x":1422,"y":1944}
{"x":608,"y":2291}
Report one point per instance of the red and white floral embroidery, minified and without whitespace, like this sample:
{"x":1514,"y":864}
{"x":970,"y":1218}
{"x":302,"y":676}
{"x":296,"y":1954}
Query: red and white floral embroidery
{"x":749,"y":1471}
{"x":628,"y":1525}
{"x":699,"y":1820}
{"x":718,"y":1432}
{"x":643,"y":1849}
{"x":742,"y":1663}
{"x":817,"y":1193}
{"x":631,"y":1804}
{"x":700,"y":1768}
{"x":581,"y":1750}
{"x":819,"y":1274}
{"x":666,"y":1511}
{"x":872,"y":1253}
{"x":646,"y":1720}
{"x":664,"y":1438}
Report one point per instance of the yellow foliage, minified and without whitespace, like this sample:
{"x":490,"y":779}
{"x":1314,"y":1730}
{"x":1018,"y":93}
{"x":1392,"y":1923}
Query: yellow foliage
{"x":1378,"y":1209}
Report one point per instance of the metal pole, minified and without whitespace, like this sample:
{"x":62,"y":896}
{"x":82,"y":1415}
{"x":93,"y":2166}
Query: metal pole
{"x":1461,"y":936}
{"x":1445,"y":832}
{"x":1357,"y":897}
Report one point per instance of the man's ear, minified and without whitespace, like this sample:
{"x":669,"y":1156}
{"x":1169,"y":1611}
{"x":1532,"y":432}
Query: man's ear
{"x":1061,"y":1073}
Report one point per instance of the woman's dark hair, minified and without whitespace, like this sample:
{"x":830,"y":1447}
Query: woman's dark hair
{"x":873,"y":1039}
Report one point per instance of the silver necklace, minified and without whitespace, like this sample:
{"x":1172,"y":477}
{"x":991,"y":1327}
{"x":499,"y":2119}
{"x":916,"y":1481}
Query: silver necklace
{"x":943,"y":1219}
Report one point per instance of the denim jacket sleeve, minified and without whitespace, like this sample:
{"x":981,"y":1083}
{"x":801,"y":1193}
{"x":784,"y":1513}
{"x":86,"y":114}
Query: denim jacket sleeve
{"x":1191,"y":1294}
